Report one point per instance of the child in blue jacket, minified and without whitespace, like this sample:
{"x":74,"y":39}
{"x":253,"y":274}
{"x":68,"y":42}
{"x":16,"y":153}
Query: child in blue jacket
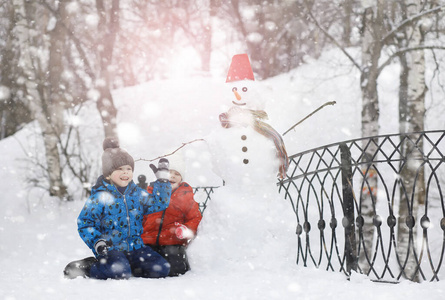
{"x":110,"y":222}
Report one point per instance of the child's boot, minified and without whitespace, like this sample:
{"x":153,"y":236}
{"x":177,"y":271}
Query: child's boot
{"x":79,"y":268}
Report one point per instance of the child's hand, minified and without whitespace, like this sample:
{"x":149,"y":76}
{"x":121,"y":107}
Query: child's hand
{"x":182,"y":232}
{"x":102,"y":247}
{"x":162,"y":172}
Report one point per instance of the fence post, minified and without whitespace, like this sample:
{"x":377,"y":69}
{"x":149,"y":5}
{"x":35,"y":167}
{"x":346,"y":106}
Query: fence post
{"x":348,"y":209}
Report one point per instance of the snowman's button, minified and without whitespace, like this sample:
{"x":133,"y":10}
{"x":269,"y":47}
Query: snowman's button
{"x":245,"y":161}
{"x":243,"y":137}
{"x":244,"y":149}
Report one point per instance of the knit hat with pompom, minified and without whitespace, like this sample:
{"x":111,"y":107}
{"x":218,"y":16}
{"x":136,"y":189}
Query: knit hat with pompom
{"x":114,"y":157}
{"x":177,"y":163}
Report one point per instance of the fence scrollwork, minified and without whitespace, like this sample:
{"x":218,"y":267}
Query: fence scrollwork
{"x":385,"y":208}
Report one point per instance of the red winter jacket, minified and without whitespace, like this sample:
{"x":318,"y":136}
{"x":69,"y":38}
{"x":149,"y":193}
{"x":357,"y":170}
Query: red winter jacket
{"x":182,"y":209}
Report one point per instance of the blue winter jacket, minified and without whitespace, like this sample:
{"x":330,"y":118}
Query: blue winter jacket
{"x":112,"y":216}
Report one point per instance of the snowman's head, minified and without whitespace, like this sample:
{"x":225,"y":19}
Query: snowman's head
{"x":241,"y":83}
{"x":245,"y":94}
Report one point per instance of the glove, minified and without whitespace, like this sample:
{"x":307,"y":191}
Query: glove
{"x":162,"y":172}
{"x":182,"y":232}
{"x":102,"y":247}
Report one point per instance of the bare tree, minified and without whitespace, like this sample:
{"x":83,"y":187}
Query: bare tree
{"x":411,"y":119}
{"x":42,"y":92}
{"x":48,"y":47}
{"x":107,"y":29}
{"x":13,"y":111}
{"x":275,"y":34}
{"x":372,"y":36}
{"x":347,"y":22}
{"x":381,"y":26}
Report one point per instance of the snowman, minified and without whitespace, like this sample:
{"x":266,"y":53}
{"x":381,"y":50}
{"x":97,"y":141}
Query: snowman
{"x":247,"y":222}
{"x":246,"y":144}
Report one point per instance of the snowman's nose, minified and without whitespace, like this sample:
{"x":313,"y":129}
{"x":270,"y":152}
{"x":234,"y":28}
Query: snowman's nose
{"x":237,"y":95}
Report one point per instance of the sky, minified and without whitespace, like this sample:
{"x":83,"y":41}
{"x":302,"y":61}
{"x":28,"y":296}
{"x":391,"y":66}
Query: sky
{"x":39,"y":235}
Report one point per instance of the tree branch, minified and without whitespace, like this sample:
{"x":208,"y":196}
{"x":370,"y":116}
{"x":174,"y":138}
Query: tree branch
{"x":301,"y":121}
{"x":76,"y":41}
{"x":410,"y":21}
{"x":183,"y":145}
{"x":404,"y":50}
{"x":332,"y":38}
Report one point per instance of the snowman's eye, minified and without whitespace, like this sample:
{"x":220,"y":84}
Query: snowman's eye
{"x":244,"y":89}
{"x":234,"y":89}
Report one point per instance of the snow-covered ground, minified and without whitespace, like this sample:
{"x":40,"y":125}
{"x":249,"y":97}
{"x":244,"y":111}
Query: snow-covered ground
{"x":38,"y":235}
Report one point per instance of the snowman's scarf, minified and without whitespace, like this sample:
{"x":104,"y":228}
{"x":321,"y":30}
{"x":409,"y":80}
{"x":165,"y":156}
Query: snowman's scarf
{"x":264,"y":129}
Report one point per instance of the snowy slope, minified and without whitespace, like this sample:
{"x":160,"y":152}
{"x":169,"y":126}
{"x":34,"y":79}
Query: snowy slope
{"x":38,"y":236}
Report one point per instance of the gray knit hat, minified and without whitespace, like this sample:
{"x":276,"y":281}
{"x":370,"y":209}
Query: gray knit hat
{"x":114,"y":157}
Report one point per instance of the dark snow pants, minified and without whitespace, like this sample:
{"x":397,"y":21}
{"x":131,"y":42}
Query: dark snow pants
{"x":176,"y":256}
{"x":143,"y":262}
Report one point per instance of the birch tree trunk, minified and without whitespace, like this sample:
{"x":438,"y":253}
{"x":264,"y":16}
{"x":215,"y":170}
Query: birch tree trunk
{"x":411,"y":119}
{"x":7,"y":61}
{"x":371,"y":49}
{"x":42,"y":91}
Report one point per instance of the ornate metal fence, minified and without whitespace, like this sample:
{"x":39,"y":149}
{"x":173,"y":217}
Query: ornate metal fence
{"x":202,"y":194}
{"x":373,"y":205}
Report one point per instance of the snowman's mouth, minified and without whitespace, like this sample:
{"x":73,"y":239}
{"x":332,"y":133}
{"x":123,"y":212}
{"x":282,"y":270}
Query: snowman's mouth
{"x":240,"y":104}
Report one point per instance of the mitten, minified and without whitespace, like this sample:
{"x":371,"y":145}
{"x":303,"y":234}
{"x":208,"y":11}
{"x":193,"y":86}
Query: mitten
{"x":162,"y":172}
{"x":182,"y":232}
{"x":102,"y":247}
{"x":224,"y":120}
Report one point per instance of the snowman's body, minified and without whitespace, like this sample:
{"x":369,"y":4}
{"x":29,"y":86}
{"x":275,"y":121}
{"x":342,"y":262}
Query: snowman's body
{"x":242,"y":156}
{"x":247,"y":221}
{"x":250,"y":227}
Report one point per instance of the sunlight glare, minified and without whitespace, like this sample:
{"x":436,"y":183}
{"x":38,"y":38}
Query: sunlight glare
{"x":152,"y":109}
{"x":128,"y":133}
{"x":185,"y":62}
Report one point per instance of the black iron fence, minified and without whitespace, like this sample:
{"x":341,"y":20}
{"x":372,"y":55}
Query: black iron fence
{"x":373,"y":205}
{"x":201,"y":194}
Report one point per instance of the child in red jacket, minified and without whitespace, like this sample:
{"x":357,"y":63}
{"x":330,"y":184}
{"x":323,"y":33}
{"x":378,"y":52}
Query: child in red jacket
{"x":170,"y":231}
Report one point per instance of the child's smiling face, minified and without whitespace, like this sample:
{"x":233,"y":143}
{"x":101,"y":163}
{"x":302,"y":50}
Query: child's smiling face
{"x":175,"y":179}
{"x":122,"y":176}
